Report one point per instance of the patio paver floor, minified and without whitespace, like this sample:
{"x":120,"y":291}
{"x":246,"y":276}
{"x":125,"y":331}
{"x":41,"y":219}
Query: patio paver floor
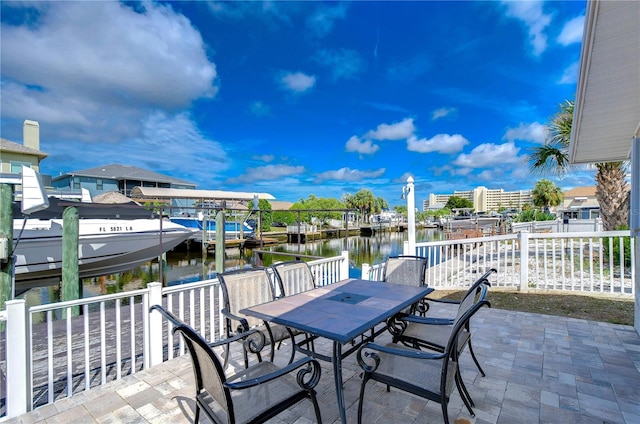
{"x":539,"y":368}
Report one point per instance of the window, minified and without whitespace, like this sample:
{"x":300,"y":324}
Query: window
{"x":16,"y":167}
{"x":76,"y":182}
{"x":99,"y":184}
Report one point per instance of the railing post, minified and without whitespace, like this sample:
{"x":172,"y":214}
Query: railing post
{"x":523,"y":237}
{"x":155,"y":325}
{"x":344,"y":266}
{"x":18,"y":373}
{"x":366,"y":272}
{"x":406,"y":249}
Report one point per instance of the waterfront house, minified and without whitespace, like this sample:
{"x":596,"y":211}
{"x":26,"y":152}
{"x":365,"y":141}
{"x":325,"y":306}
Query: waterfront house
{"x":13,"y":156}
{"x":579,"y":203}
{"x":117,"y":177}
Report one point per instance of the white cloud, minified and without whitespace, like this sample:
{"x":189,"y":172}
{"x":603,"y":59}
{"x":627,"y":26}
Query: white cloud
{"x":297,"y":82}
{"x":354,"y":144}
{"x":267,"y":173}
{"x":534,"y":132}
{"x":264,"y":158}
{"x":572,"y":31}
{"x":348,"y":174}
{"x":322,"y":21}
{"x":397,"y":131}
{"x":343,"y":63}
{"x":570,"y":74}
{"x":443,"y":112}
{"x":403,"y":178}
{"x":176,"y":136}
{"x":441,"y":143}
{"x":489,"y":155}
{"x":532,"y":16}
{"x":79,"y":86}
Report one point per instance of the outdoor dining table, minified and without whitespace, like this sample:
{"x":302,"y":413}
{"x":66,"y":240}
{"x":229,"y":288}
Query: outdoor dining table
{"x":340,"y":312}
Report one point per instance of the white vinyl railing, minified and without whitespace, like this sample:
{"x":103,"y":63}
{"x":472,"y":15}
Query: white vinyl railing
{"x":68,"y":347}
{"x":586,"y":262}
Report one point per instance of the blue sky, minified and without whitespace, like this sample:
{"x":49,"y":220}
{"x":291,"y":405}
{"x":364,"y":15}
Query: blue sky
{"x":294,"y":98}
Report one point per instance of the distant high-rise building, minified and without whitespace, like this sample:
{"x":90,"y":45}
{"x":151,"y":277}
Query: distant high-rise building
{"x":484,"y":199}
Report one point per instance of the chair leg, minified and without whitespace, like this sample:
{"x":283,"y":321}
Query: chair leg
{"x":361,"y":400}
{"x":464,"y":394}
{"x":463,"y":390}
{"x":226,"y":349}
{"x":196,"y":419}
{"x":445,"y":411}
{"x":316,"y":407}
{"x":473,"y":355}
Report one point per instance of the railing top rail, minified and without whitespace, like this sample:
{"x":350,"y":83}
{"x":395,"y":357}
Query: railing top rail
{"x":87,"y":300}
{"x":467,"y":240}
{"x":295,"y":255}
{"x":582,"y":234}
{"x":514,"y":236}
{"x":190,"y":286}
{"x":327,"y":260}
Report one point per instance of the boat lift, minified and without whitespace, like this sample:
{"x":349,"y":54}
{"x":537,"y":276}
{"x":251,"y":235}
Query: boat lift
{"x":34,"y":199}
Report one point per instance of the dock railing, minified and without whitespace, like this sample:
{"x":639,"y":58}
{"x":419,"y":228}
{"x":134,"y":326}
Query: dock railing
{"x":62,"y":349}
{"x":577,"y":262}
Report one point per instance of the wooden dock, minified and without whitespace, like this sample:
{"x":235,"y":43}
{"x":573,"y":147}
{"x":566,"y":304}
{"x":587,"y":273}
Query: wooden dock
{"x":228,"y":244}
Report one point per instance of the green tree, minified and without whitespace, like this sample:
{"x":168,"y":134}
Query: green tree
{"x":456,"y":202}
{"x":381,"y":204}
{"x":612,"y":189}
{"x":546,"y":194}
{"x":319,"y":208}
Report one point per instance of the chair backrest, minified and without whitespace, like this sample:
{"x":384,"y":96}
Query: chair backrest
{"x":207,"y":369}
{"x":478,"y":290}
{"x":405,"y":269}
{"x":208,"y":372}
{"x":245,"y":288}
{"x":471,"y":299}
{"x":293,"y":277}
{"x":453,"y":349}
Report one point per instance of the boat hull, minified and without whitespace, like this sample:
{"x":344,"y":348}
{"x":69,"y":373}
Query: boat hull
{"x":104,"y":247}
{"x":233,"y":229}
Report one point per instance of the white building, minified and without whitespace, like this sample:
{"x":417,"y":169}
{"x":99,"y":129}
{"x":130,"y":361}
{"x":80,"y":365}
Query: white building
{"x":484,"y":199}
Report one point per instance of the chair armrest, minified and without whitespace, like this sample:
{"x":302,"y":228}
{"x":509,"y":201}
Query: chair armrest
{"x":453,"y":302}
{"x":311,"y":371}
{"x":243,"y":321}
{"x":241,"y":337}
{"x":427,"y":320}
{"x":368,"y":353}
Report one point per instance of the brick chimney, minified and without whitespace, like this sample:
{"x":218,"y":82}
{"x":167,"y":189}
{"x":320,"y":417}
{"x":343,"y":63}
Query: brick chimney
{"x":31,"y":134}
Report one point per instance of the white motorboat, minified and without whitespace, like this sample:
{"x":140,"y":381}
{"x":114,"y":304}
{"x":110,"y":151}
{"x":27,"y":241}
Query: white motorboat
{"x":112,"y":239}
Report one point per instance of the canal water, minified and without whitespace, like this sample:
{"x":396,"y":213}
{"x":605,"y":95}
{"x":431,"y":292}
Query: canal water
{"x":183,"y":267}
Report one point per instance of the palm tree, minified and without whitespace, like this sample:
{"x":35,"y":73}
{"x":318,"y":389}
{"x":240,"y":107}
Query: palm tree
{"x":546,"y":194}
{"x":612,"y":189}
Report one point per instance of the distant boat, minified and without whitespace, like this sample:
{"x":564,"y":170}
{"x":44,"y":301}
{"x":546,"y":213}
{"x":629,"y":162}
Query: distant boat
{"x":233,"y":229}
{"x":112,"y":239}
{"x":469,"y":222}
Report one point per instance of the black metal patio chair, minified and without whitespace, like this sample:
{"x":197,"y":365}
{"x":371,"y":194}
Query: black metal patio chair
{"x":252,"y":395}
{"x":295,"y":277}
{"x":428,"y":374}
{"x":432,"y":332}
{"x":409,"y":270}
{"x":242,"y":289}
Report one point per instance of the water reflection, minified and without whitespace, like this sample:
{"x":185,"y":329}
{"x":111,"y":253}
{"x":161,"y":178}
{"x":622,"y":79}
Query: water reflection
{"x":185,"y":267}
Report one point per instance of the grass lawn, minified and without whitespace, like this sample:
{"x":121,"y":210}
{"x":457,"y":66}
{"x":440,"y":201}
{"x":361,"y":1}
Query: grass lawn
{"x":574,"y":306}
